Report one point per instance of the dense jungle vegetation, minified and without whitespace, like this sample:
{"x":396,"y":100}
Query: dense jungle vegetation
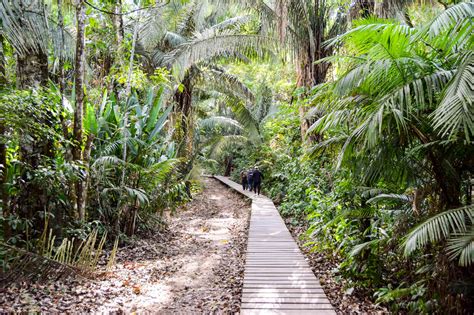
{"x":359,"y":113}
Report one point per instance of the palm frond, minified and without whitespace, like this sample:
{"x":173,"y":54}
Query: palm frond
{"x":462,"y":246}
{"x":25,"y":266}
{"x":132,"y":193}
{"x":332,"y":141}
{"x":221,"y":121}
{"x":30,"y":30}
{"x":172,"y":39}
{"x":209,"y":46}
{"x":162,"y":169}
{"x":448,"y":18}
{"x":366,"y":31}
{"x":153,"y":29}
{"x":224,"y":142}
{"x":213,"y":77}
{"x":233,"y":85}
{"x":233,"y":22}
{"x":439,"y":227}
{"x":455,"y":113}
{"x":246,"y":117}
{"x":390,"y":197}
{"x":107,"y":161}
{"x":359,"y":248}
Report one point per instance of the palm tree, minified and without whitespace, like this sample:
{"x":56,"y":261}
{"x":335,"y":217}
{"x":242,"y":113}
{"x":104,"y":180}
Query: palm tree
{"x":231,"y":122}
{"x":33,"y":35}
{"x":28,"y":27}
{"x":405,"y":99}
{"x":304,"y":26}
{"x":198,"y":36}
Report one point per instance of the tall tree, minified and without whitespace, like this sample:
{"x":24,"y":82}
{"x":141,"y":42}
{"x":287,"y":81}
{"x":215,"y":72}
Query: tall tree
{"x":196,"y":39}
{"x":304,"y":25}
{"x":25,"y":26}
{"x":3,"y":150}
{"x":79,"y":75}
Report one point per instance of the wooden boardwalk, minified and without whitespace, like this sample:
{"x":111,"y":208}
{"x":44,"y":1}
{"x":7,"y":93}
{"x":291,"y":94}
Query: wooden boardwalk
{"x":277,"y":278}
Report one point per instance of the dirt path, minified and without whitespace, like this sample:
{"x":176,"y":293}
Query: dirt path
{"x":195,"y":267}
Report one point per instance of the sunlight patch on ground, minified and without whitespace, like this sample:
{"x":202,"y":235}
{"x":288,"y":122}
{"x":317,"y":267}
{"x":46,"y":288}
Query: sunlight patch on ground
{"x":216,"y":197}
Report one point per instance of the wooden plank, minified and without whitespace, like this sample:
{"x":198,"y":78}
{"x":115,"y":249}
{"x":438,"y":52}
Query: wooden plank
{"x":275,"y":257}
{"x":278,"y":266}
{"x":288,"y":306}
{"x":309,"y":279}
{"x":284,"y":274}
{"x":297,"y":272}
{"x":286,"y":312}
{"x":277,"y":272}
{"x":287,"y":300}
{"x":282,"y":291}
{"x":281,"y":278}
{"x":282,"y":295}
{"x":282,"y":282}
{"x":281,"y":286}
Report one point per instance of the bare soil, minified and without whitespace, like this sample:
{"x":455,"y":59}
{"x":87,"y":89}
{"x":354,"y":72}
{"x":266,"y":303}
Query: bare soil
{"x":195,"y":266}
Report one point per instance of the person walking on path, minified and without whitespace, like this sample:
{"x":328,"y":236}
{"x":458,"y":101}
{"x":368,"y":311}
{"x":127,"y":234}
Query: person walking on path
{"x":243,"y":179}
{"x":257,"y":180}
{"x":250,"y":179}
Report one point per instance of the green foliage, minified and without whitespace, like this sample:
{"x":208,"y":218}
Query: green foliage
{"x":455,"y":223}
{"x":146,"y":180}
{"x":387,"y":177}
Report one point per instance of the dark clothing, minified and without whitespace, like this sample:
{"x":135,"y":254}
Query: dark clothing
{"x":257,"y":181}
{"x":243,"y":179}
{"x":250,"y":180}
{"x":257,"y":176}
{"x":256,"y":187}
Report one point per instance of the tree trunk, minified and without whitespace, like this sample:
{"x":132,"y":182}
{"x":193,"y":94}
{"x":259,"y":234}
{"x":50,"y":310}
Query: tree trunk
{"x":361,"y":9}
{"x":79,"y":111}
{"x":84,"y":184}
{"x":389,"y":9}
{"x":184,"y":110}
{"x":228,"y":165}
{"x":3,"y":153}
{"x":61,"y":80}
{"x":32,"y":70}
{"x":3,"y":72}
{"x":309,"y":75}
{"x":117,"y":21}
{"x":448,"y":183}
{"x":62,"y":88}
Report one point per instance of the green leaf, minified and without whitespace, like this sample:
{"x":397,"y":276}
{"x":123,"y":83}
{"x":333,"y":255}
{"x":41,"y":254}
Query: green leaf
{"x":160,"y":123}
{"x":439,"y":227}
{"x":157,"y":104}
{"x":90,"y":120}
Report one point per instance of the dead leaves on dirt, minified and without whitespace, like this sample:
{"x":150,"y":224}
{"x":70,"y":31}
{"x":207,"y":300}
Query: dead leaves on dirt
{"x":196,"y":265}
